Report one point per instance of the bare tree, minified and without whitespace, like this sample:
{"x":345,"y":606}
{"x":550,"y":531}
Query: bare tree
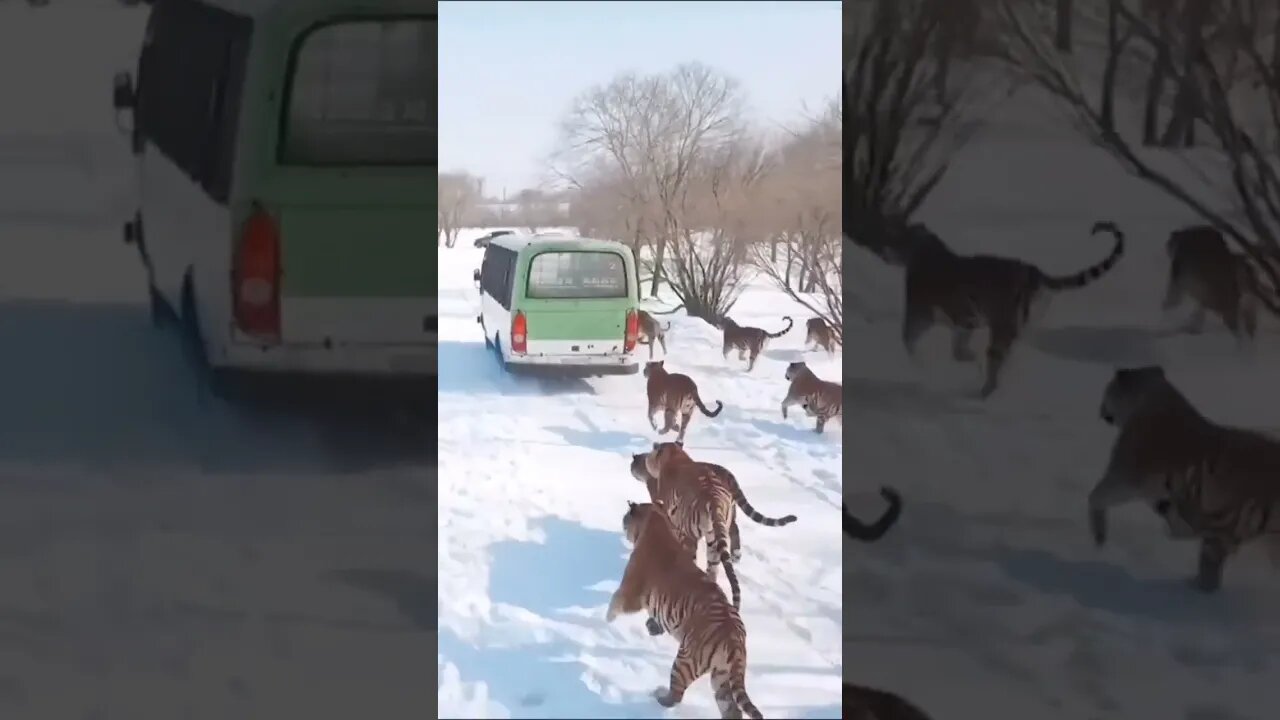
{"x":653,"y":131}
{"x":802,"y":200}
{"x":898,"y":134}
{"x":705,"y":268}
{"x":457,"y":194}
{"x":1248,"y":166}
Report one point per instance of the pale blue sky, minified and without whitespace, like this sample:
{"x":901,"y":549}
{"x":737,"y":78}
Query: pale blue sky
{"x":509,"y":70}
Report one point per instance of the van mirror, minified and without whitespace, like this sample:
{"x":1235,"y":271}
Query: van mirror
{"x":475,"y":276}
{"x":122,"y":95}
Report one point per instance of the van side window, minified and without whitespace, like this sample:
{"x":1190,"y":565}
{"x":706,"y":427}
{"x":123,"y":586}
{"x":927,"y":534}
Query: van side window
{"x":362,"y":92}
{"x":508,"y":274}
{"x":229,"y":56}
{"x":496,"y":271}
{"x":190,"y":76}
{"x":486,"y":271}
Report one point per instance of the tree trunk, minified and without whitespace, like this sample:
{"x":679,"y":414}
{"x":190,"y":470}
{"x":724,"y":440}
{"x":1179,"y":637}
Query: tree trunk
{"x":1155,"y":88}
{"x":1275,"y":44}
{"x":1182,"y":126}
{"x":791,"y":257}
{"x":1062,"y":38}
{"x":637,"y":243}
{"x":659,"y":256}
{"x":1107,"y":106}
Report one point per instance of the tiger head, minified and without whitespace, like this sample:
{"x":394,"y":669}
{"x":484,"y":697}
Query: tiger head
{"x":636,"y":516}
{"x":654,"y":366}
{"x":661,"y":454}
{"x":796,"y":368}
{"x":1128,"y":390}
{"x":639,"y":468}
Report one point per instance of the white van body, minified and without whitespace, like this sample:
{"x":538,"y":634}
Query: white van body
{"x":186,"y":226}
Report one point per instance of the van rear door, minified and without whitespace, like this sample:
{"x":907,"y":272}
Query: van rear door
{"x":354,"y":187}
{"x":576,"y":302}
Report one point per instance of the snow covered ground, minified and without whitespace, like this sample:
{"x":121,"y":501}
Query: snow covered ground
{"x":160,"y":557}
{"x":989,"y":599}
{"x":533,"y":484}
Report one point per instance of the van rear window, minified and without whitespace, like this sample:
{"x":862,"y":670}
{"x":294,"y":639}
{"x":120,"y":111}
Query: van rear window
{"x":577,"y":275}
{"x":363,"y":92}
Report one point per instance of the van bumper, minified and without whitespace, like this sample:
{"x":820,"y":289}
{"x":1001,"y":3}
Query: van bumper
{"x":347,"y":360}
{"x":605,"y":364}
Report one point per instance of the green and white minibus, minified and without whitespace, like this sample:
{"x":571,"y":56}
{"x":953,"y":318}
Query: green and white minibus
{"x":552,"y":301}
{"x":286,"y":154}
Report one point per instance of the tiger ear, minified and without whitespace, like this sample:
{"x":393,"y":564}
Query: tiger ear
{"x":631,"y":505}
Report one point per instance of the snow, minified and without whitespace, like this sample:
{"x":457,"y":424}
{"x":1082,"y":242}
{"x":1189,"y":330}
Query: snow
{"x":989,"y":599}
{"x":166,"y":555}
{"x":533,"y":484}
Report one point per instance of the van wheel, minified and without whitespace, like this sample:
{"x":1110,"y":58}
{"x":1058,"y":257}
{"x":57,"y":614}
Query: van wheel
{"x":497,"y":353}
{"x":162,"y":314}
{"x":214,"y":380}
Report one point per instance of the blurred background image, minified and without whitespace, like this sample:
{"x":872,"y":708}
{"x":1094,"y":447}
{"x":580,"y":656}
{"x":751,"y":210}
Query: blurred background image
{"x":193,"y":528}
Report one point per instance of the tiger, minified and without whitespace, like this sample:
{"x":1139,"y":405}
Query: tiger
{"x":748,"y":341}
{"x":651,"y":330}
{"x":820,"y":336}
{"x":1217,"y":280}
{"x":662,"y":579}
{"x":872,"y":531}
{"x":672,"y":393}
{"x":971,"y":291}
{"x":861,"y":702}
{"x":640,"y":472}
{"x":821,"y":399}
{"x":702,"y":499}
{"x":1215,"y":483}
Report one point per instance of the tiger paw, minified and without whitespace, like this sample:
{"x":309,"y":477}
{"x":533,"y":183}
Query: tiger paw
{"x":654,"y":628}
{"x":663,"y":696}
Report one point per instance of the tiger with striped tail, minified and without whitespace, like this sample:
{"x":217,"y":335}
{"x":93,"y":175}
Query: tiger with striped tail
{"x":1217,"y":280}
{"x":968,"y":292}
{"x":702,"y":499}
{"x":748,"y":341}
{"x":821,"y":399}
{"x":662,"y":579}
{"x":1211,"y":482}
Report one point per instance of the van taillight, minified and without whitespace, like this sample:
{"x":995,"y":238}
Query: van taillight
{"x":633,"y":331}
{"x":519,"y":333}
{"x":256,"y":277}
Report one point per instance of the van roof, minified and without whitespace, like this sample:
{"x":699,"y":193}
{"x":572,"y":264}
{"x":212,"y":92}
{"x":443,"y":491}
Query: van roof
{"x":520,"y":241}
{"x":555,"y":241}
{"x":258,"y":8}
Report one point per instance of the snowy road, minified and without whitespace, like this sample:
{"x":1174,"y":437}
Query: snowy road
{"x":533,"y":484}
